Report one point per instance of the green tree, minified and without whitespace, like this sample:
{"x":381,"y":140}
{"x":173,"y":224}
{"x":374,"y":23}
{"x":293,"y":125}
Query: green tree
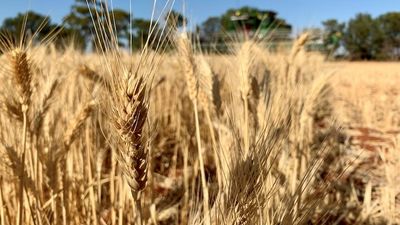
{"x":210,"y":30}
{"x":80,"y":19}
{"x":389,"y":23}
{"x":333,"y":35}
{"x":38,"y":27}
{"x":254,"y":19}
{"x":87,"y":18}
{"x":141,"y":33}
{"x":363,"y":38}
{"x":175,"y":20}
{"x":121,"y":21}
{"x":66,"y":37}
{"x":29,"y":23}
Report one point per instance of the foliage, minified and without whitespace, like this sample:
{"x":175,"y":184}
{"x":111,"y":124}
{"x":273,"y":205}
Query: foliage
{"x":253,"y":19}
{"x":242,"y":23}
{"x":175,"y":20}
{"x":389,"y":23}
{"x":144,"y":30}
{"x":246,"y":20}
{"x":30,"y":23}
{"x":333,"y":35}
{"x":122,"y":24}
{"x":210,"y":30}
{"x":80,"y":20}
{"x":87,"y":18}
{"x":363,"y":38}
{"x":39,"y":27}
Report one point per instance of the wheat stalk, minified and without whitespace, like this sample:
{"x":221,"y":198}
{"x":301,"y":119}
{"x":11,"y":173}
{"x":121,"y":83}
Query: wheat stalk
{"x":22,"y":77}
{"x":190,"y":71}
{"x":130,"y":115}
{"x":189,"y":66}
{"x":205,"y":97}
{"x":130,"y":98}
{"x":298,"y":45}
{"x":37,"y":121}
{"x":245,"y":58}
{"x":74,"y":127}
{"x":93,"y":76}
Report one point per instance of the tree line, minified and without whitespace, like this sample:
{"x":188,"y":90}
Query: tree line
{"x":364,"y":37}
{"x":79,"y":29}
{"x":361,"y":38}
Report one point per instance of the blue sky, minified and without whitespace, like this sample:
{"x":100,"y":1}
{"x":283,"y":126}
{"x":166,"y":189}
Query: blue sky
{"x":299,"y":13}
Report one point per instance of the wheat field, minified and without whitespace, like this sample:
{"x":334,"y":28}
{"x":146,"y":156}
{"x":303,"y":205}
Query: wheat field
{"x":185,"y":137}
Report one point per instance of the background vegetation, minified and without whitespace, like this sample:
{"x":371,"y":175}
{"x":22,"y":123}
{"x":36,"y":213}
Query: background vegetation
{"x":361,"y":38}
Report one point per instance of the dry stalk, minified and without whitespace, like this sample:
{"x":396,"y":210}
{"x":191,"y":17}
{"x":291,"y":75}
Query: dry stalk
{"x":12,"y":110}
{"x":205,"y":97}
{"x":190,"y":71}
{"x":245,"y":59}
{"x":73,"y":130}
{"x":293,"y":70}
{"x":2,"y":205}
{"x":22,"y":77}
{"x":93,"y":76}
{"x":37,"y":121}
{"x":297,"y":46}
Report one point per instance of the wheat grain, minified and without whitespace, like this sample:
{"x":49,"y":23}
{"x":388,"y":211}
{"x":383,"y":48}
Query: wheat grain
{"x":22,"y":75}
{"x":73,"y":129}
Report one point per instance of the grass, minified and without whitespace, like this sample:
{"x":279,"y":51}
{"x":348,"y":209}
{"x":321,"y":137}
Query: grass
{"x":252,"y":137}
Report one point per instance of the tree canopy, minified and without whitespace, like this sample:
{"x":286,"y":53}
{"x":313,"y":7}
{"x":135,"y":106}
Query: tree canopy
{"x":333,"y":35}
{"x":144,"y":30}
{"x":251,"y":20}
{"x":175,"y":19}
{"x":251,"y":16}
{"x":211,"y":29}
{"x":87,"y":18}
{"x":361,"y":38}
{"x":29,"y":23}
{"x":364,"y":37}
{"x":389,"y":24}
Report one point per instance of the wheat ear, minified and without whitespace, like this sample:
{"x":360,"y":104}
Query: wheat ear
{"x":205,"y":98}
{"x":298,"y":45}
{"x":191,"y":74}
{"x":23,"y":77}
{"x":93,"y":76}
{"x":74,"y":127}
{"x":130,"y":114}
{"x":245,"y":57}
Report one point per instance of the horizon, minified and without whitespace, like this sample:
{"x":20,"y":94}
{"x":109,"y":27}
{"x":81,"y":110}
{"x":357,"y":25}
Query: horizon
{"x":198,"y":12}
